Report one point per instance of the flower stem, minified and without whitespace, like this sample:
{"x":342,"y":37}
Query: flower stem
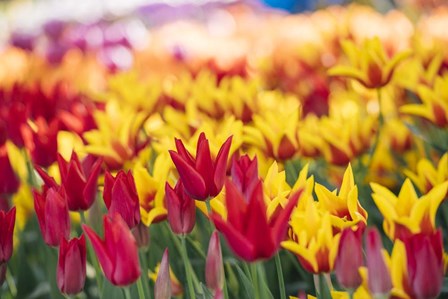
{"x":281,"y":281}
{"x":144,"y":263}
{"x":127,"y":293}
{"x":92,"y":256}
{"x":187,"y":268}
{"x":254,"y":274}
{"x":11,"y":283}
{"x":141,"y":292}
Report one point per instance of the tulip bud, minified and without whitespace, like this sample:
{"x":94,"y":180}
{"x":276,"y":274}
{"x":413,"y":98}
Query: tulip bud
{"x":379,"y":280}
{"x":349,"y":259}
{"x":424,"y":255}
{"x":80,"y":180}
{"x":181,"y":209}
{"x":214,"y":271}
{"x":162,"y":287}
{"x":118,"y":252}
{"x":52,"y":214}
{"x":120,"y":196}
{"x":71,"y":270}
{"x":219,"y":294}
{"x":244,"y":174}
{"x":7,"y":222}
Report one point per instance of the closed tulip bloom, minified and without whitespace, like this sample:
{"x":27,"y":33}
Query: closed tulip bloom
{"x":118,"y":252}
{"x":9,"y":182}
{"x":424,"y":255}
{"x":7,"y":222}
{"x":52,"y":214}
{"x":201,"y":176}
{"x":71,"y":270}
{"x":80,"y":180}
{"x":379,"y":280}
{"x":244,"y":172}
{"x":349,"y":258}
{"x":247,"y":229}
{"x":162,"y":287}
{"x":214,"y":270}
{"x":120,"y":196}
{"x":181,"y":209}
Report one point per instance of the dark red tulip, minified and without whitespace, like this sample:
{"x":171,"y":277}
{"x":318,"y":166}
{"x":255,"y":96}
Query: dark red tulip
{"x":424,"y":255}
{"x":118,"y":252}
{"x":7,"y":222}
{"x":214,"y":270}
{"x":379,"y":280}
{"x":9,"y":182}
{"x":244,"y":174}
{"x":71,"y":270}
{"x":80,"y":180}
{"x":120,"y":196}
{"x":43,"y":143}
{"x":52,"y":213}
{"x":181,"y":209}
{"x":349,"y":258}
{"x":201,"y":176}
{"x":250,"y":234}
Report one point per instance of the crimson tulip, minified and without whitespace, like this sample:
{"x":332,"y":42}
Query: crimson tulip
{"x":7,"y":222}
{"x":424,"y":255}
{"x":120,"y":196}
{"x":118,"y":252}
{"x":250,"y":234}
{"x":349,"y":258}
{"x":44,"y":144}
{"x":181,"y":209}
{"x":244,"y":172}
{"x":9,"y":182}
{"x":379,"y":280}
{"x":52,"y":213}
{"x":71,"y":269}
{"x":214,"y":270}
{"x":201,"y":176}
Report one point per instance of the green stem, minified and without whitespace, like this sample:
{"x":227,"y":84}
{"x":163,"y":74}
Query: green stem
{"x":127,"y":293}
{"x":141,"y":292}
{"x":145,"y":269}
{"x":11,"y":283}
{"x":32,"y":181}
{"x":187,"y":268}
{"x":281,"y":280}
{"x":92,"y":256}
{"x":254,"y":274}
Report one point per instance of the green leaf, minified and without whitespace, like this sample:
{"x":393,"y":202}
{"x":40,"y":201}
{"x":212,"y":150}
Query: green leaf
{"x":111,"y":292}
{"x":323,"y":291}
{"x":245,"y":282}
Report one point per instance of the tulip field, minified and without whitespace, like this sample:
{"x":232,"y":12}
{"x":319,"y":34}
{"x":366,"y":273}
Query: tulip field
{"x":225,"y":150}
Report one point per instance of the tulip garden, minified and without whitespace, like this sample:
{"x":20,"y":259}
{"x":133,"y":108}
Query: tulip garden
{"x":226,"y":150}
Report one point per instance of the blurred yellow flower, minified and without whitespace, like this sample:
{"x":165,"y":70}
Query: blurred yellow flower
{"x":427,"y":176}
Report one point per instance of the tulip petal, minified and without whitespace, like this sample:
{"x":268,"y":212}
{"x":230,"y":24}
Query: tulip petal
{"x":280,"y":226}
{"x":100,"y":250}
{"x":90,"y":188}
{"x":204,"y":165}
{"x":221,"y":163}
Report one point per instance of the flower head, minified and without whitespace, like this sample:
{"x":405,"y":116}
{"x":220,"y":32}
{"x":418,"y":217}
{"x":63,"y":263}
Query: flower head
{"x":71,"y":269}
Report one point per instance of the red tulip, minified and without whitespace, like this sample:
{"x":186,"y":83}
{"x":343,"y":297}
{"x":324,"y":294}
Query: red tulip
{"x":44,"y":144}
{"x":52,"y":214}
{"x":424,"y":254}
{"x":201,"y":176}
{"x":349,"y":258}
{"x":181,"y":209}
{"x":247,"y":230}
{"x":8,"y":179}
{"x":120,"y":196}
{"x":118,"y":252}
{"x":244,"y":174}
{"x":71,"y":270}
{"x":7,"y":222}
{"x":162,"y":287}
{"x":379,"y":280}
{"x":214,"y":270}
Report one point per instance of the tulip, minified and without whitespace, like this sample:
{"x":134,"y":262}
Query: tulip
{"x":71,"y":269}
{"x":7,"y":222}
{"x":349,"y":258}
{"x":425,"y":265}
{"x":44,"y":145}
{"x":8,"y":180}
{"x":181,"y":209}
{"x":80,"y":180}
{"x":201,"y":176}
{"x":120,"y":196}
{"x":244,"y":173}
{"x":250,"y":234}
{"x":379,"y":280}
{"x":118,"y":252}
{"x":162,"y":287}
{"x":52,"y":213}
{"x":214,"y":271}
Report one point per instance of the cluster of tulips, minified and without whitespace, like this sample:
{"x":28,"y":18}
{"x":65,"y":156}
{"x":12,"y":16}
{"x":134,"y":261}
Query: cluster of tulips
{"x":318,"y":168}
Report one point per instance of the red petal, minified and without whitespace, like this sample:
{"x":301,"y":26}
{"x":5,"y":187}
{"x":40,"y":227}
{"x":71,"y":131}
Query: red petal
{"x":280,"y":226}
{"x":193,"y":183}
{"x":204,"y":165}
{"x":221,"y":164}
